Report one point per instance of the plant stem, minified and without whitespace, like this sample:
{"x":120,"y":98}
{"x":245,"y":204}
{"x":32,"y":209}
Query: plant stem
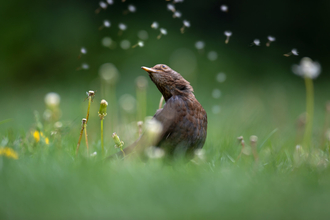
{"x":309,"y":110}
{"x":102,"y":140}
{"x":161,"y":102}
{"x":80,"y":136}
{"x":89,"y":106}
{"x":86,"y":139}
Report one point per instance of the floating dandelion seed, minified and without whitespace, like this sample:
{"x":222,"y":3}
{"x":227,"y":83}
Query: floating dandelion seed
{"x":122,"y":26}
{"x":199,"y":45}
{"x":224,"y":8}
{"x":106,"y":24}
{"x":83,"y":66}
{"x":228,"y":35}
{"x":307,"y":68}
{"x":177,"y":14}
{"x":221,"y":77}
{"x":212,"y":55}
{"x":256,"y":42}
{"x":292,"y":52}
{"x":83,"y":50}
{"x":185,"y":24}
{"x":216,"y":109}
{"x":131,"y":8}
{"x":106,"y":41}
{"x":110,"y":2}
{"x":177,"y":1}
{"x":163,"y":31}
{"x":125,"y":44}
{"x":171,"y":7}
{"x":216,"y":93}
{"x":52,"y":99}
{"x":102,"y":5}
{"x":270,"y":39}
{"x":143,"y":35}
{"x":140,"y":44}
{"x":154,"y":25}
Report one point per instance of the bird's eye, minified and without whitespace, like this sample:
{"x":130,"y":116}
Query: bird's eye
{"x":164,"y":67}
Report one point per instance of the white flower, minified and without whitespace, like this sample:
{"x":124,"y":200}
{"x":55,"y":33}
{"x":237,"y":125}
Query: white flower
{"x":132,"y":8}
{"x":122,"y":26}
{"x":103,"y":5}
{"x":106,"y":23}
{"x":83,"y":50}
{"x":163,"y":31}
{"x":154,"y":25}
{"x":256,"y":42}
{"x":52,"y":99}
{"x":307,"y":68}
{"x":186,"y":23}
{"x":199,"y":45}
{"x":228,"y":33}
{"x":224,"y":8}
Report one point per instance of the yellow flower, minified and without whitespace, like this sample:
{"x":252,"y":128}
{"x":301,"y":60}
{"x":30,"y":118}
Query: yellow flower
{"x":8,"y":152}
{"x":37,"y":135}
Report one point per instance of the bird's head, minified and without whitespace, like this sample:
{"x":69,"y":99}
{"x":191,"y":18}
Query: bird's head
{"x":168,"y":82}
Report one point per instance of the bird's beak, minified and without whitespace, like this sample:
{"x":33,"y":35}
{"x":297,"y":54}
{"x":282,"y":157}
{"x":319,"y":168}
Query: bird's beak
{"x":149,"y":70}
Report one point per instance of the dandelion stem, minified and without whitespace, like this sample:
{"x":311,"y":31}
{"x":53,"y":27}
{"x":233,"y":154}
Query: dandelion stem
{"x":102,"y":140}
{"x":81,"y":133}
{"x":309,"y":110}
{"x":89,"y":106}
{"x":86,"y":139}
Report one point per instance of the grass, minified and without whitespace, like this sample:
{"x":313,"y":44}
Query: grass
{"x":50,"y":182}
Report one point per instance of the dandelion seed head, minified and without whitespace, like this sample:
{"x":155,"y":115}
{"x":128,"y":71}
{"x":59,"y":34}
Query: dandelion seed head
{"x":228,"y":33}
{"x":125,"y":44}
{"x":52,"y":99}
{"x":221,"y":77}
{"x":212,"y":55}
{"x":83,"y":50}
{"x":298,"y":147}
{"x":58,"y":124}
{"x":163,"y":31}
{"x":216,"y":93}
{"x":307,"y":68}
{"x":199,"y":45}
{"x":170,"y":7}
{"x":106,"y":41}
{"x":154,"y":25}
{"x":106,"y":23}
{"x":271,"y":38}
{"x":109,"y":73}
{"x":253,"y":139}
{"x":143,"y":35}
{"x":104,"y":102}
{"x":85,"y":66}
{"x":103,"y":5}
{"x":131,"y":8}
{"x":110,"y":2}
{"x":177,"y":14}
{"x":216,"y":109}
{"x":186,"y":23}
{"x":141,"y":82}
{"x":294,"y":52}
{"x":224,"y":8}
{"x":122,"y":26}
{"x":127,"y":103}
{"x":256,"y":42}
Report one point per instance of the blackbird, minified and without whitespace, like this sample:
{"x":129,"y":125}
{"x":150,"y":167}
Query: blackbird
{"x":183,"y":119}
